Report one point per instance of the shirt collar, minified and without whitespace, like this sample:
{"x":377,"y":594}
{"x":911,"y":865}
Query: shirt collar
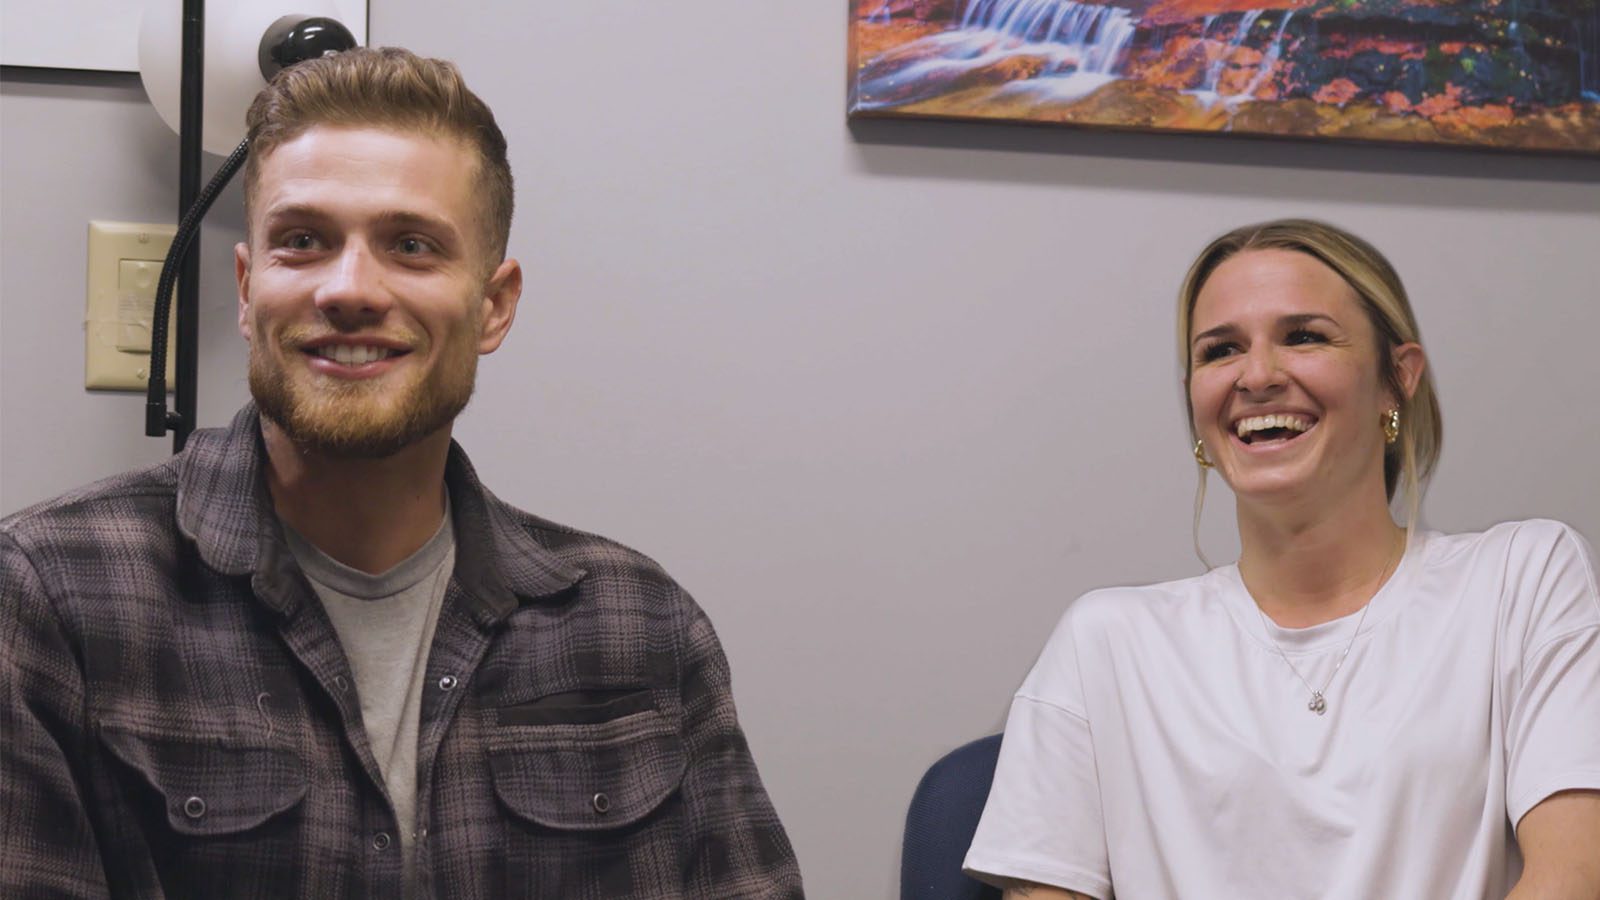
{"x":223,"y":507}
{"x":222,"y":497}
{"x":498,"y":562}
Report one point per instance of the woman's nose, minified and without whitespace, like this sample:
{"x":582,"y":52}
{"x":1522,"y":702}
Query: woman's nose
{"x":1261,"y":370}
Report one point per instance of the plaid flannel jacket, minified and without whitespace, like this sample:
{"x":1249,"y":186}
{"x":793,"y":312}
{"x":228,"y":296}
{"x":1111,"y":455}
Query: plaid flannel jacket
{"x":177,"y":718}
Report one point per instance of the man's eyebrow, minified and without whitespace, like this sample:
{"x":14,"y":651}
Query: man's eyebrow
{"x":1296,"y":320}
{"x":405,"y":218}
{"x":293,"y":211}
{"x":401,"y":218}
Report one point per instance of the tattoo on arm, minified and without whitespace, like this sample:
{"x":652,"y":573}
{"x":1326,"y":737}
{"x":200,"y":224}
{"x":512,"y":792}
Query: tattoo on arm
{"x":1016,"y":888}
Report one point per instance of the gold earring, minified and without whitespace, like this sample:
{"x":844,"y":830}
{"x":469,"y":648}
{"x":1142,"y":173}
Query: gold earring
{"x":1200,"y":454}
{"x":1391,"y":426}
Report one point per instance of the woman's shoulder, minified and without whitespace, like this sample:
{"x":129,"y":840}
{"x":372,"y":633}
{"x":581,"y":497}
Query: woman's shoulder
{"x":1124,"y":621}
{"x":1539,"y":573}
{"x":1127,"y":605}
{"x":1516,"y":541}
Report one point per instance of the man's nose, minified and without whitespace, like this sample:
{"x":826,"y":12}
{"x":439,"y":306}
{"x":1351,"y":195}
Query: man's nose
{"x":355,"y":290}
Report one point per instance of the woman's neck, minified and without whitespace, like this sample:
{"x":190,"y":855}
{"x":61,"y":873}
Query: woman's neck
{"x":1304,"y":571}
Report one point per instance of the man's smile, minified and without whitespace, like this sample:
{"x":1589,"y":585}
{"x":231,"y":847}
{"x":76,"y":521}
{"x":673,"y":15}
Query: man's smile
{"x":351,"y":356}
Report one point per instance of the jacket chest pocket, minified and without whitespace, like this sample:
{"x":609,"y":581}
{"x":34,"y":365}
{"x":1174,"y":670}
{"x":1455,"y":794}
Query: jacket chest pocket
{"x":590,"y":792}
{"x":220,"y":818}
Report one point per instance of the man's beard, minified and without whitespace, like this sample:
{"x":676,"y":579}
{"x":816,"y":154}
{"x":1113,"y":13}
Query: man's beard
{"x":365,"y":419}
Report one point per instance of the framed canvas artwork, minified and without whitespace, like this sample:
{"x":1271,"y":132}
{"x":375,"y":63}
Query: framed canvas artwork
{"x":1512,"y":74}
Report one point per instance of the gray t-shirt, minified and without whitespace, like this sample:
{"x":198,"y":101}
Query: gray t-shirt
{"x":385,"y":623}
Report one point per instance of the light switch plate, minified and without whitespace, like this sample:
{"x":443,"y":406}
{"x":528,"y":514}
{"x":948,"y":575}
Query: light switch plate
{"x":124,"y":266}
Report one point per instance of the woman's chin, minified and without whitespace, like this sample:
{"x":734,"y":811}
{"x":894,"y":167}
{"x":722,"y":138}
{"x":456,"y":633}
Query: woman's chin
{"x":1270,"y":484}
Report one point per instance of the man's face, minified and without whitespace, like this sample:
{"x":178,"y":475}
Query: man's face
{"x":364,"y":290}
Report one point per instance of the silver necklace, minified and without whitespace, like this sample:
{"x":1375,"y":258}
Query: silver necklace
{"x":1319,"y":702}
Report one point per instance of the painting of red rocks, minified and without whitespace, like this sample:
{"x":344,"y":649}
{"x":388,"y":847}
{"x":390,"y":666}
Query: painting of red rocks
{"x":1515,"y":74}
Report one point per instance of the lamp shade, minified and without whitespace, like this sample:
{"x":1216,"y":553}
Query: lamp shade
{"x":234,"y":29}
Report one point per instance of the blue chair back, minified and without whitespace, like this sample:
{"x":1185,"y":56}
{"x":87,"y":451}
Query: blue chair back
{"x":941,"y":821}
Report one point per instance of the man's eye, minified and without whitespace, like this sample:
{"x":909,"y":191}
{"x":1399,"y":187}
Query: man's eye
{"x":300,"y":240}
{"x":1302,"y":336}
{"x":411,"y":246}
{"x":1217,"y":351}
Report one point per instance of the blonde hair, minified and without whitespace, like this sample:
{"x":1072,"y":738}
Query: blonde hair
{"x":385,"y":87}
{"x":1410,"y":460}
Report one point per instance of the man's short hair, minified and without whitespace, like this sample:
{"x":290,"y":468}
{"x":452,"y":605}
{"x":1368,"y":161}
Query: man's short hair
{"x":392,"y":88}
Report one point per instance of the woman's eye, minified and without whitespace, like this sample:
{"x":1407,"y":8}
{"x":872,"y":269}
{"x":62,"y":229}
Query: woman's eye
{"x":1302,"y":336}
{"x":1216,"y":351}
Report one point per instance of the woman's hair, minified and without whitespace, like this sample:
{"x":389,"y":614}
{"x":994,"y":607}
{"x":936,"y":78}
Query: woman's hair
{"x":385,"y":87}
{"x":1410,"y":459}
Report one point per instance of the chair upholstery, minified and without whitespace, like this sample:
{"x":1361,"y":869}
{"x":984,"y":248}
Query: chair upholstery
{"x":941,"y":821}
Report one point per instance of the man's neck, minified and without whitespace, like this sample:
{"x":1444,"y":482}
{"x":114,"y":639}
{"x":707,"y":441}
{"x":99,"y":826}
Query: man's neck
{"x":369,"y":514}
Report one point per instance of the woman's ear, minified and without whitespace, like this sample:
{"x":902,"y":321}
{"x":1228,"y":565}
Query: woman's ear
{"x":1409,"y":364}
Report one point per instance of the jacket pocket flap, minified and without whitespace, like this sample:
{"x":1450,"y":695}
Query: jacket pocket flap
{"x":587,"y":777}
{"x":581,"y":707}
{"x":210,"y":787}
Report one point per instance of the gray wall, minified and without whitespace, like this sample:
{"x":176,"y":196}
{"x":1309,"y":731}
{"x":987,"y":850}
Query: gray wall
{"x":76,"y":146}
{"x":884,"y":399}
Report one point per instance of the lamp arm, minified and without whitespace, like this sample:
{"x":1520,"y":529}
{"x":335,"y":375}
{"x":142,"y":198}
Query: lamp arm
{"x":157,"y":419}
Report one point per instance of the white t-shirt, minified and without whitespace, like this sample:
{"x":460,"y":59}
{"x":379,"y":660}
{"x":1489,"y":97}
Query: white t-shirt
{"x":1163,"y":748}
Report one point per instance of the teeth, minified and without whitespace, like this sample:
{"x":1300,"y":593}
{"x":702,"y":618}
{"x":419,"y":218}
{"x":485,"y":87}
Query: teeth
{"x":353,"y":354}
{"x":1262,"y":423}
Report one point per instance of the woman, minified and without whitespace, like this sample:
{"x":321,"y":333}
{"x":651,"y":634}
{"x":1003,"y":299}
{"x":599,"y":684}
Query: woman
{"x":1353,"y":709}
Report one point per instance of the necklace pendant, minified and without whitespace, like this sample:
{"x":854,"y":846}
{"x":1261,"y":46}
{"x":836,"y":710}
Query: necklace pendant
{"x":1317,"y":704}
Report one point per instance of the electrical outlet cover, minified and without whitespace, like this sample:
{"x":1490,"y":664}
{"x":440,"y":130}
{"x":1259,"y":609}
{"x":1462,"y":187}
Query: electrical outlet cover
{"x":124,"y":258}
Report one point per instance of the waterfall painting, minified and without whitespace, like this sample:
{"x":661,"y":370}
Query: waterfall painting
{"x":1513,"y":74}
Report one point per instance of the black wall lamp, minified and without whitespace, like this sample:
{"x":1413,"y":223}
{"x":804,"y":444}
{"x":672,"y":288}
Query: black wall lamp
{"x":201,"y":82}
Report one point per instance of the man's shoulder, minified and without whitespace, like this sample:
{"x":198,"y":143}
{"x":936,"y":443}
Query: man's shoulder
{"x":123,"y":500}
{"x":595,"y":554}
{"x":95,"y":541}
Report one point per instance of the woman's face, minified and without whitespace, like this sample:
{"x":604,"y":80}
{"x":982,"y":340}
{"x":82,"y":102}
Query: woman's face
{"x":1285,"y":384}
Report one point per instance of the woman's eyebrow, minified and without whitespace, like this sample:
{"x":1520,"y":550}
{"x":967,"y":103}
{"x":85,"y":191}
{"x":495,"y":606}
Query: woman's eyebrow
{"x":1295,"y":320}
{"x":1219,"y":331}
{"x":1299,"y":319}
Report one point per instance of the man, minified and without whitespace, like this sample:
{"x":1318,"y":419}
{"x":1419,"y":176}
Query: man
{"x":312,"y":656}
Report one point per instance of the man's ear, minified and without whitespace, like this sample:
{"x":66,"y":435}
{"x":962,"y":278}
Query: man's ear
{"x":1409,"y":363}
{"x":500,"y":296}
{"x":241,"y":276}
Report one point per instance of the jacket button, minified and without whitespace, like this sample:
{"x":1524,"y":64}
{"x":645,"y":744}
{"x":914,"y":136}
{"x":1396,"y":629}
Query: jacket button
{"x":447,"y":683}
{"x":602,"y":804}
{"x":380,"y":841}
{"x":194,"y":807}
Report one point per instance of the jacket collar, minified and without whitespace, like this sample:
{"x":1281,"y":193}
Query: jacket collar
{"x":224,"y":508}
{"x":498,"y":562}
